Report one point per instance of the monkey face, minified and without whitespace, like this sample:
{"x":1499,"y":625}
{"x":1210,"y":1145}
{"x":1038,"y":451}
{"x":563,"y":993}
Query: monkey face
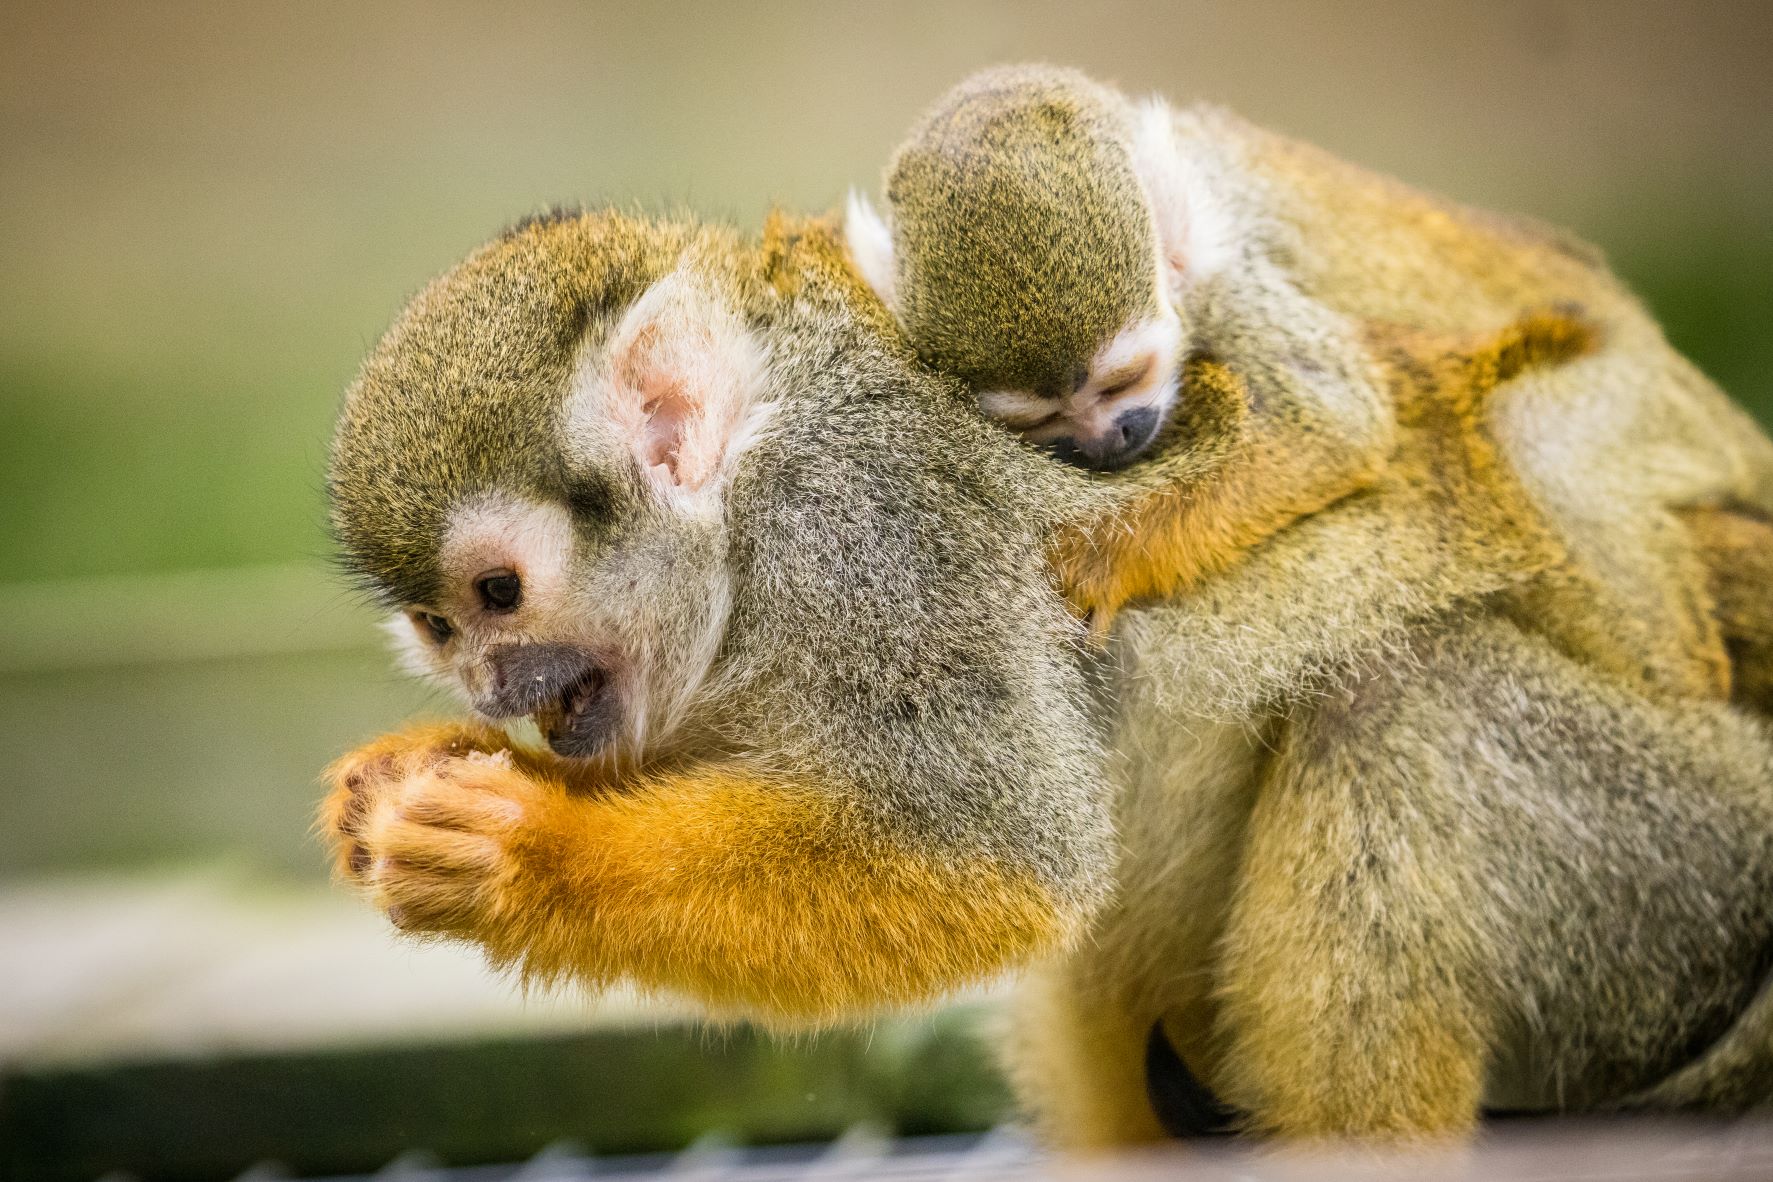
{"x":595,"y":627}
{"x":1058,"y":313}
{"x":1119,"y":401}
{"x":538,"y":489}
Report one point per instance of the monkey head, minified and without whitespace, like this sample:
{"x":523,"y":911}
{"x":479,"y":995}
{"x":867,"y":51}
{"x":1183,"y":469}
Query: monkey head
{"x":530,"y":471}
{"x":1023,"y":258}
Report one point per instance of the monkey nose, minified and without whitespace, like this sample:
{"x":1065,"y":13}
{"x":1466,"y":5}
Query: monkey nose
{"x":1133,"y":431}
{"x":524,"y":678}
{"x":1128,"y":435}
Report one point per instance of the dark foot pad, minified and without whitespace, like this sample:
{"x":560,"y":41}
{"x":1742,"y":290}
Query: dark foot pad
{"x":1183,"y":1104}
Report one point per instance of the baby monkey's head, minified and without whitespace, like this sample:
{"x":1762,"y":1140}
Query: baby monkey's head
{"x":1023,"y":259}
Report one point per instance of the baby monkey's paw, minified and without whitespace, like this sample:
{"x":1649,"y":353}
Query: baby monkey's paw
{"x":1088,"y":582}
{"x":424,"y":821}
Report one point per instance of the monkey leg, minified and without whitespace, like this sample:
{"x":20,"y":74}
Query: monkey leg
{"x":1081,"y":1039}
{"x":750,"y":892}
{"x":1486,"y":873}
{"x":1075,"y":1051}
{"x":1342,"y":974}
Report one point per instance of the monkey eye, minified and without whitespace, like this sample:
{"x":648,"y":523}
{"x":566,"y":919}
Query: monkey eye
{"x":439,"y":628}
{"x":499,"y":590}
{"x":1019,"y":411}
{"x":1125,"y":378}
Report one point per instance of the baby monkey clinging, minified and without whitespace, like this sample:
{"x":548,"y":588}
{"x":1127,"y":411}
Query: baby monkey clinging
{"x":1072,"y":257}
{"x":1023,"y":259}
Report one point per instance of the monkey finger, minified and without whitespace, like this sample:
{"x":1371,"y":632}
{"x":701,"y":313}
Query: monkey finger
{"x":396,"y":756}
{"x":488,"y":774}
{"x":410,"y":845}
{"x":361,"y":773}
{"x":418,"y":902}
{"x":463,"y":805}
{"x":339,"y":823}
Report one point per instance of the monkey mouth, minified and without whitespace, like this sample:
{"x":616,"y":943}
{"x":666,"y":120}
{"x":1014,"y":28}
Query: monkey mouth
{"x":582,"y":719}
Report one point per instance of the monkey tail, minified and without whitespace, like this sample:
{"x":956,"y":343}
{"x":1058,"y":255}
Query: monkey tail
{"x":1732,"y":1075}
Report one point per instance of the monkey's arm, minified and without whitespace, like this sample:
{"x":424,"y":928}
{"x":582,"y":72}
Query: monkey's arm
{"x":748,"y":891}
{"x":1283,"y":413}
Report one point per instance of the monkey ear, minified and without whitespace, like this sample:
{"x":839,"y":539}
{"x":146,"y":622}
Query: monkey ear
{"x":870,"y":240}
{"x":1193,"y":231}
{"x":681,"y":384}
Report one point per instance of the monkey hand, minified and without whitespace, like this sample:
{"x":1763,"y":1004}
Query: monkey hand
{"x":426,"y":821}
{"x":755,"y":893}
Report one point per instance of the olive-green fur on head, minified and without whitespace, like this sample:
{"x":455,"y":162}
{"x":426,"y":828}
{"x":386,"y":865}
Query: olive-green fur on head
{"x":462,"y":395}
{"x":1022,"y":237}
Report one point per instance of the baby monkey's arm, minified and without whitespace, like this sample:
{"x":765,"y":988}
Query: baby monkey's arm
{"x":749,"y":891}
{"x":1260,"y":443}
{"x":1282,"y":413}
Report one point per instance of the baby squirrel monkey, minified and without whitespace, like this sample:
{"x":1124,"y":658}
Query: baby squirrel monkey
{"x":1047,"y":247}
{"x":1096,"y":271}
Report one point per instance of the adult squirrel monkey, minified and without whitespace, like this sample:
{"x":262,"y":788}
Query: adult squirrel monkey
{"x":811,"y":706}
{"x":1086,"y":266}
{"x":1329,"y":828}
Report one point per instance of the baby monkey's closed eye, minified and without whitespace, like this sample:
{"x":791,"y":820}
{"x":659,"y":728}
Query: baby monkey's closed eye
{"x":1127,"y":377}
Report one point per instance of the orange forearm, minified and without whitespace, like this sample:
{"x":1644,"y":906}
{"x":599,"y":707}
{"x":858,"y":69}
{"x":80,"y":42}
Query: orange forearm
{"x":750,"y":893}
{"x":1171,"y":538}
{"x":745,"y":890}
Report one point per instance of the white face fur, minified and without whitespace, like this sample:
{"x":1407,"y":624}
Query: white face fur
{"x":667,"y":404}
{"x":1137,"y":368}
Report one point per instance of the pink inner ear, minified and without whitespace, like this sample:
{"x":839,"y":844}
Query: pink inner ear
{"x":676,"y":381}
{"x":665,"y":422}
{"x":658,"y":372}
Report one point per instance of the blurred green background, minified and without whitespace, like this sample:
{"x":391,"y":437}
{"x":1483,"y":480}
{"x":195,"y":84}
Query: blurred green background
{"x":207,"y":211}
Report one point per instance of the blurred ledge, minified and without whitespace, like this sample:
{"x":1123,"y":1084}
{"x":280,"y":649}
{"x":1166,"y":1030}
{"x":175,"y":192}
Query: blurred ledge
{"x":214,"y":962}
{"x":480,"y":1101}
{"x":180,"y":616}
{"x":194,"y":1025}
